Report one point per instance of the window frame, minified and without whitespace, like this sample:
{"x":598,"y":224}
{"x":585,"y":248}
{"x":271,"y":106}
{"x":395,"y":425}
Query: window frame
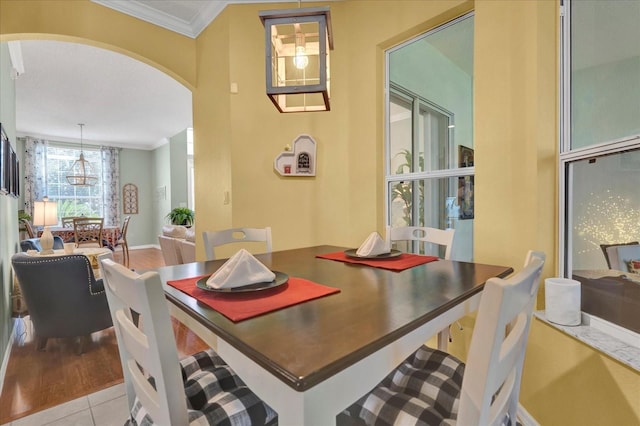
{"x":416,"y":101}
{"x":568,"y":156}
{"x":99,"y":197}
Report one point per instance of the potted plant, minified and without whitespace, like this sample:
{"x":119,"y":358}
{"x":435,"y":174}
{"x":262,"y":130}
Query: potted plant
{"x":22,"y":215}
{"x":181,"y":216}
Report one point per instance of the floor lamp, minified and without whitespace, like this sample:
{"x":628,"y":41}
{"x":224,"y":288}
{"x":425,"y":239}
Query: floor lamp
{"x":45,"y":213}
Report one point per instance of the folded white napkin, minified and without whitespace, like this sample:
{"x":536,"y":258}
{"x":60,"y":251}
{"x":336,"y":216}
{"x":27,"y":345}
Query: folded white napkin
{"x":241,"y":269}
{"x":374,"y":245}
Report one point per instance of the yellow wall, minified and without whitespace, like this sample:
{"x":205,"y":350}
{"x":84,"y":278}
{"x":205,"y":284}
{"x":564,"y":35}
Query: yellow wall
{"x":238,"y":136}
{"x":343,"y":203}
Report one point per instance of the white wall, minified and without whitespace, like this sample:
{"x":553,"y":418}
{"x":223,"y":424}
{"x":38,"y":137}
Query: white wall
{"x":8,"y":205}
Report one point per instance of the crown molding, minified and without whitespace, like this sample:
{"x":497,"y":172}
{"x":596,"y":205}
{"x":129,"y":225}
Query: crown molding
{"x":190,"y":29}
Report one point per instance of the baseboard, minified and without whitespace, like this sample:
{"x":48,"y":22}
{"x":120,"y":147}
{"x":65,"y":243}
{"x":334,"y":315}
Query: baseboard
{"x":146,"y":246}
{"x":525,"y":418}
{"x":5,"y":359}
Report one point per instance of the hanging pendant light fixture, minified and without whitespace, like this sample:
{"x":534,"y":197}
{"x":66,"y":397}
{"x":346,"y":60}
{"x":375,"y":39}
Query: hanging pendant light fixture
{"x":297,"y":45}
{"x":81,"y":171}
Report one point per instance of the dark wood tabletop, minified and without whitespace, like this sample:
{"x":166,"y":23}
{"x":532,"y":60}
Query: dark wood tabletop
{"x":305,"y":344}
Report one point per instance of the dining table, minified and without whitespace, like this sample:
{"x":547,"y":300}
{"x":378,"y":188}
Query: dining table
{"x":111,"y":234}
{"x":312,"y":359}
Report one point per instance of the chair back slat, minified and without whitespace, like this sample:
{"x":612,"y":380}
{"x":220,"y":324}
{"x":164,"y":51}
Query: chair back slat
{"x":214,"y":239}
{"x":491,"y":383}
{"x":150,"y":345}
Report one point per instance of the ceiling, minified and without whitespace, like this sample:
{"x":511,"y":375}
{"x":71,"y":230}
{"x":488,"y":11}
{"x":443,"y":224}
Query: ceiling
{"x":121,"y":101}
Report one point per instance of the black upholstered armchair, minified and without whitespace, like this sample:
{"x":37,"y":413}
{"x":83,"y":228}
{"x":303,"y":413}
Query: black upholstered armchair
{"x":63,"y":297}
{"x":34,"y":244}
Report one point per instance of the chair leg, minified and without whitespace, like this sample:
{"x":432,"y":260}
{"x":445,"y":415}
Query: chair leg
{"x":41,"y":343}
{"x":80,"y":344}
{"x":125,"y":254}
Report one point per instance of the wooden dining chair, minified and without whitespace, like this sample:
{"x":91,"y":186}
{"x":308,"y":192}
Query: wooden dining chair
{"x":424,"y":235}
{"x":214,"y":239}
{"x":88,"y":231}
{"x":67,"y":221}
{"x":122,"y":241}
{"x":433,"y":387}
{"x":29,"y":228}
{"x":199,"y":389}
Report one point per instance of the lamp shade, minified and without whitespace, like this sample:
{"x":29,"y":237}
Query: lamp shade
{"x":297,"y":58}
{"x":45,"y":212}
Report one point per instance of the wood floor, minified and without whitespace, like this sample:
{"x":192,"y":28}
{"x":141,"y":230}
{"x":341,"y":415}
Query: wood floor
{"x":38,"y":380}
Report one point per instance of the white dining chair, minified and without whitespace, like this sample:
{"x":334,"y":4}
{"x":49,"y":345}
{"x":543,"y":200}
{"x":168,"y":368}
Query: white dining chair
{"x":425,"y":235}
{"x":214,"y":239}
{"x":170,"y":250}
{"x":433,"y":387}
{"x":199,"y":389}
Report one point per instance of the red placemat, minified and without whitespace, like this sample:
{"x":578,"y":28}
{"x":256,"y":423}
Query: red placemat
{"x":241,"y":306}
{"x":400,"y":263}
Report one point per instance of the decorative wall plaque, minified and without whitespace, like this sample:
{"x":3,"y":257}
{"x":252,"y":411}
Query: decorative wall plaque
{"x":300,"y":160}
{"x":130,"y":199}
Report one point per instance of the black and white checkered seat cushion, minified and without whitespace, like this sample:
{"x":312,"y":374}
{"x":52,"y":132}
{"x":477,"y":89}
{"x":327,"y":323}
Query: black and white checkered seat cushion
{"x":215,"y":395}
{"x":423,"y":390}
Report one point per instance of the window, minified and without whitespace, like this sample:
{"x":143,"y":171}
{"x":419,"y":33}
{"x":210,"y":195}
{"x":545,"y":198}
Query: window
{"x":600,"y":147}
{"x":73,"y":200}
{"x":429,"y":143}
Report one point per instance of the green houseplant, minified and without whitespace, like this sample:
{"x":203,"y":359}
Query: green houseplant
{"x":404,"y":190}
{"x":181,"y":216}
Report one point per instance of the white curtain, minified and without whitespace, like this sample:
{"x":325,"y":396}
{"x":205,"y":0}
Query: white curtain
{"x":35,"y":172}
{"x":111,"y":185}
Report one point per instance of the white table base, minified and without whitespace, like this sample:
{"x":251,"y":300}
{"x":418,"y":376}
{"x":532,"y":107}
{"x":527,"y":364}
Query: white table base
{"x":320,"y":404}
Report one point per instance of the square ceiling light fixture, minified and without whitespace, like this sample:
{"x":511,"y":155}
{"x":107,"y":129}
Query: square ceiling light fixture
{"x":297,"y":58}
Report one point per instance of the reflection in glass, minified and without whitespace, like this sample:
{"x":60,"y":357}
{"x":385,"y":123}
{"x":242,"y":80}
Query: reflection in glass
{"x":605,"y":71}
{"x":429,"y":170}
{"x":605,"y":207}
{"x":438,"y":202}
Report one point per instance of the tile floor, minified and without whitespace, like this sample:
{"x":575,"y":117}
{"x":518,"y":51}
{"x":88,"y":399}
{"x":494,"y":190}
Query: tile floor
{"x":107,"y":407}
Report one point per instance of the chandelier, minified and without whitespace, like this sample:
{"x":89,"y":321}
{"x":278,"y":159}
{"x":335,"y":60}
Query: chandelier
{"x":80,"y":173}
{"x":297,"y":45}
